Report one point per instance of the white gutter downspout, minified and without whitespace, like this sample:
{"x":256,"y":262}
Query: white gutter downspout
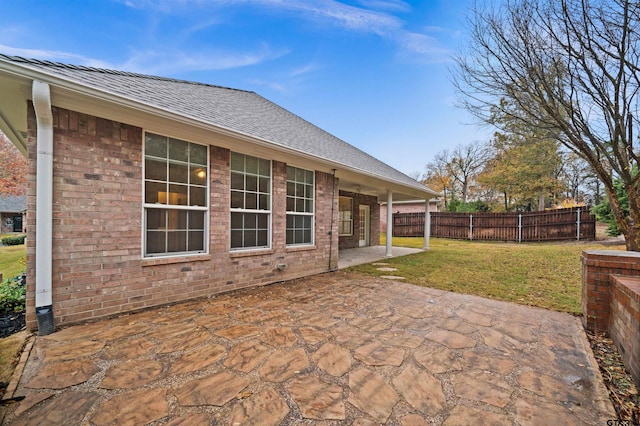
{"x":389,"y":223}
{"x":44,"y":206}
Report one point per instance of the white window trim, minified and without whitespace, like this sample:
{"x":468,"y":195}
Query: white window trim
{"x":351,"y":221}
{"x":267,"y":212}
{"x":146,"y":206}
{"x":313,"y":214}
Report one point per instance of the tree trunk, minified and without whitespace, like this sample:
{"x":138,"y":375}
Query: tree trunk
{"x":632,"y":238}
{"x":540,"y":201}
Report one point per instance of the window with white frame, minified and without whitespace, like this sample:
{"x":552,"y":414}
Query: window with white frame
{"x":176,"y":192}
{"x":345,"y":216}
{"x":250,"y":202}
{"x":300,"y":196}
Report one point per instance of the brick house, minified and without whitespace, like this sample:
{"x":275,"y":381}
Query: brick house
{"x":12,"y":213}
{"x":146,"y":190}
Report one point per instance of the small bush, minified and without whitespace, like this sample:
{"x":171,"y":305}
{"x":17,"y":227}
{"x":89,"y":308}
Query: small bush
{"x":12,"y":295}
{"x":14,"y":241}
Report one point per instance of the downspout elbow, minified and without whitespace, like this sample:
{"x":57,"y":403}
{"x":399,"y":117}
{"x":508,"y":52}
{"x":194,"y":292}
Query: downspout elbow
{"x":44,"y":207}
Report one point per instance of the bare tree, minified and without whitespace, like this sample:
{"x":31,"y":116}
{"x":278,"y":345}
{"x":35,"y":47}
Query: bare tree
{"x":437,"y":176}
{"x":466,"y":162}
{"x":570,"y":68}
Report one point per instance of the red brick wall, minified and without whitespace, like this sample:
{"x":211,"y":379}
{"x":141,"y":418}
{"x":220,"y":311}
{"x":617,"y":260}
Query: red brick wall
{"x":611,"y":300}
{"x":98,"y":269}
{"x":352,"y":241}
{"x":624,"y":321}
{"x":597,"y":267}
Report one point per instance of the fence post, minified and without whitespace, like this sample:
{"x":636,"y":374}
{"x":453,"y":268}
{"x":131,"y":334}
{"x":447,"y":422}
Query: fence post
{"x":470,"y":227}
{"x":519,"y":227}
{"x":579,"y":211}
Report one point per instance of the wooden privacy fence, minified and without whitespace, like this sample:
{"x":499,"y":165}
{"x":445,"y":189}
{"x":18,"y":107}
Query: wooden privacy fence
{"x":562,"y":224}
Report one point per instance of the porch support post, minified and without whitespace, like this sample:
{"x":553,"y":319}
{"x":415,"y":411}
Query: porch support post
{"x":389,"y":222}
{"x":427,"y":225}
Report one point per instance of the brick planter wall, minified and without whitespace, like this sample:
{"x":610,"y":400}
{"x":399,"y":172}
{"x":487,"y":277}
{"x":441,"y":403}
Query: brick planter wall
{"x":611,"y":300}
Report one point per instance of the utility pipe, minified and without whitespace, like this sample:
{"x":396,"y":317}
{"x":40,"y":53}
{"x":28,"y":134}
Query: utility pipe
{"x":44,"y":206}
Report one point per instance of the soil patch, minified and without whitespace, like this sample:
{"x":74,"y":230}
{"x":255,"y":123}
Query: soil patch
{"x":622,"y":390}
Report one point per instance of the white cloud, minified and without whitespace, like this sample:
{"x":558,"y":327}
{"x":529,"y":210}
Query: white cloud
{"x":165,"y":62}
{"x":397,"y":5}
{"x":54,"y":55}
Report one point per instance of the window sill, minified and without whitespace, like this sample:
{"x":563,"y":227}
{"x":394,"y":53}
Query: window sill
{"x":247,"y":253}
{"x":155,"y":261}
{"x":293,"y":249}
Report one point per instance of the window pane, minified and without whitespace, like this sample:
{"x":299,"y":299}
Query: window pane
{"x":290,"y":236}
{"x":291,"y":203}
{"x":177,"y":219}
{"x":265,"y":167}
{"x":156,"y":242}
{"x":262,"y":236}
{"x":264,"y":185}
{"x":156,"y":219}
{"x":299,"y":222}
{"x":251,"y":183}
{"x":306,"y":236}
{"x":299,"y":175}
{"x":236,"y":239}
{"x":178,"y":195}
{"x":264,"y":202}
{"x":263,"y":221}
{"x":178,"y":173}
{"x":250,"y":239}
{"x":198,"y":175}
{"x":237,"y":162}
{"x":251,"y":200}
{"x":291,"y":173}
{"x":309,"y":206}
{"x":237,"y":180}
{"x":198,"y":196}
{"x":309,"y":177}
{"x":237,"y":200}
{"x":178,"y":150}
{"x":155,"y":170}
{"x":237,"y":221}
{"x":307,"y":222}
{"x":300,"y":205}
{"x":155,"y":145}
{"x":290,"y":221}
{"x":176,"y":241}
{"x":196,"y":220}
{"x":155,"y":192}
{"x":196,"y":241}
{"x":251,"y":164}
{"x":198,"y":154}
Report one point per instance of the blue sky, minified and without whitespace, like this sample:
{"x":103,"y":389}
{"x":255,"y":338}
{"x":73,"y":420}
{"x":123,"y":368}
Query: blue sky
{"x":374,"y":73}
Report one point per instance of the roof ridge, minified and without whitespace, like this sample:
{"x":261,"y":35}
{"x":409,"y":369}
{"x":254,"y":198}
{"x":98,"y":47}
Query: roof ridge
{"x":46,"y":63}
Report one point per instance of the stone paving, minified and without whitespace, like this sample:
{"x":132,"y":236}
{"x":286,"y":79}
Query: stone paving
{"x":337,"y":348}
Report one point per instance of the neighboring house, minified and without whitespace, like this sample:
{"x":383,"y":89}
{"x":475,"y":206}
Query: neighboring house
{"x":12,"y":213}
{"x":411,"y":206}
{"x":147,"y":190}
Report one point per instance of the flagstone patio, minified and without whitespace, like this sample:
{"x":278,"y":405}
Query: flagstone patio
{"x":338,"y":348}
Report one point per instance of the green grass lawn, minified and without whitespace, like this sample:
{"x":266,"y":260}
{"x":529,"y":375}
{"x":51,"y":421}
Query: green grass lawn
{"x":545,"y":275}
{"x":12,"y":260}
